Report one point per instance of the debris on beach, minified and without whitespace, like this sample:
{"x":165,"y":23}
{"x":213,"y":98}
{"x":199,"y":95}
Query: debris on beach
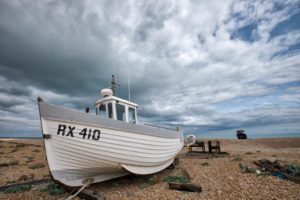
{"x":266,"y":168}
{"x":246,"y":168}
{"x":289,"y":172}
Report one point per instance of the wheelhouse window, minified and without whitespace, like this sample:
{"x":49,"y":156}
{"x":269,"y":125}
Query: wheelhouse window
{"x":102,"y":110}
{"x":110,"y":110}
{"x":120,"y":110}
{"x":131,"y":115}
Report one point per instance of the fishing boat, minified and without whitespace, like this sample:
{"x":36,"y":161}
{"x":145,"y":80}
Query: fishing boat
{"x":83,"y":147}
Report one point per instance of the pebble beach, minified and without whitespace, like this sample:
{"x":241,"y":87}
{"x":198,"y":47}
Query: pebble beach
{"x":24,"y":160}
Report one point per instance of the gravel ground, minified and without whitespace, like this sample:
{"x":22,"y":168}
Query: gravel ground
{"x":222,"y":179}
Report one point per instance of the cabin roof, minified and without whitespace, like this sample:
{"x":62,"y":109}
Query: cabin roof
{"x":109,"y":98}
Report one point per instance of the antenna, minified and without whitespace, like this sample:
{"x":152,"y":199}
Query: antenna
{"x":128,"y":79}
{"x":118,"y":80}
{"x":114,"y":84}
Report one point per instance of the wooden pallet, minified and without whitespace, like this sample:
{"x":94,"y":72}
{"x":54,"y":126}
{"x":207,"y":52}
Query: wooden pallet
{"x":203,"y":155}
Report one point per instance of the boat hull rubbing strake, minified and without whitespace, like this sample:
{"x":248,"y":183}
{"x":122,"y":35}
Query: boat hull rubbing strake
{"x":142,"y":170}
{"x":81,"y":146}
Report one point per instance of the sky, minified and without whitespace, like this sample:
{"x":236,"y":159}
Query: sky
{"x":211,"y":67}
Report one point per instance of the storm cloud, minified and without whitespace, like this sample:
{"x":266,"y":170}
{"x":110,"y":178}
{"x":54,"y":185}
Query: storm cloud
{"x":204,"y":65}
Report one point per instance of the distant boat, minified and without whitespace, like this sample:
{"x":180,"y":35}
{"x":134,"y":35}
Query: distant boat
{"x":241,"y":135}
{"x":82,"y":146}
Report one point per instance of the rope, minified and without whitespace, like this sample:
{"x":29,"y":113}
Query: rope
{"x":82,"y":188}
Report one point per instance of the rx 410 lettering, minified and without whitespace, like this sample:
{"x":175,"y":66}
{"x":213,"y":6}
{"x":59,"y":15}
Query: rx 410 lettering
{"x":69,"y":131}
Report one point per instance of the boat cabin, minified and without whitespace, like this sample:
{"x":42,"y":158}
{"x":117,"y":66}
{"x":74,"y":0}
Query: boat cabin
{"x":116,"y":108}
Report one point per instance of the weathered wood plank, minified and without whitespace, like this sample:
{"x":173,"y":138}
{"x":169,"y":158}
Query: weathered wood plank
{"x":203,"y":155}
{"x":185,"y":187}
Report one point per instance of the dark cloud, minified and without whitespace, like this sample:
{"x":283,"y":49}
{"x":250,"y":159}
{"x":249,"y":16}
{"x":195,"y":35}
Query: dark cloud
{"x":16,"y":91}
{"x":9,"y":105}
{"x":53,"y":52}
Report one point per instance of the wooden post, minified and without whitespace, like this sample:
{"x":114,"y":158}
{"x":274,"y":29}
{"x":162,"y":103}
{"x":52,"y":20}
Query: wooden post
{"x":209,"y":147}
{"x":216,"y":147}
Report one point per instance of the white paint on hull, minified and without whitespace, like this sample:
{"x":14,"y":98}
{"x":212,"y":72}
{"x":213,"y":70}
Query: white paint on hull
{"x":73,"y":159}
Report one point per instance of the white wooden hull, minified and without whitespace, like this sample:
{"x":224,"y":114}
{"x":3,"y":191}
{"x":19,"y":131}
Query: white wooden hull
{"x":73,"y":157}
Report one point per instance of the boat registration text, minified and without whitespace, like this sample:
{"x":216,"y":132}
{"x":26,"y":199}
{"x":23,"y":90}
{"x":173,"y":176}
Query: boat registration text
{"x":85,"y":133}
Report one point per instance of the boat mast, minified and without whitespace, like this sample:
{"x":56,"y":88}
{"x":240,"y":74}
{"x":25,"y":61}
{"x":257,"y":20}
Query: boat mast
{"x":114,"y":84}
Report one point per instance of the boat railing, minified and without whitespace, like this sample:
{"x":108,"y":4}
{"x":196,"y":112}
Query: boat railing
{"x":160,"y":127}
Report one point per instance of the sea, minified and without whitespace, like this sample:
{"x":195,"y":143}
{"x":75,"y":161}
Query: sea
{"x":21,"y":138}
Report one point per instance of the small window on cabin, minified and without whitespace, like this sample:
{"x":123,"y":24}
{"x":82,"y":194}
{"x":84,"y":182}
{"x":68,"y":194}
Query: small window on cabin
{"x":131,"y":115}
{"x":120,"y":109}
{"x":110,"y":110}
{"x":102,"y":110}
